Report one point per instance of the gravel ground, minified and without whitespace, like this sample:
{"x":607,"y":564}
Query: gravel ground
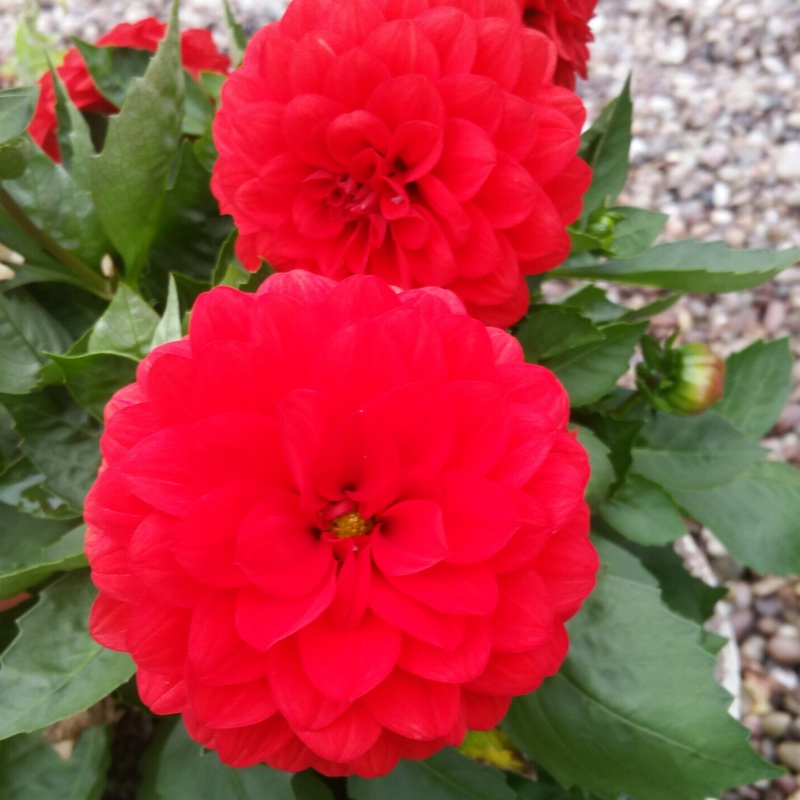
{"x":716,"y":86}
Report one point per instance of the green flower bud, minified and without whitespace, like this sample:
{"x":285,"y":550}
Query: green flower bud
{"x":697,"y":382}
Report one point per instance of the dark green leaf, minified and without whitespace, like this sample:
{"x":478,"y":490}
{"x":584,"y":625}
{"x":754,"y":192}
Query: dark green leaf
{"x":16,"y":111}
{"x":198,"y":109}
{"x":689,"y":266}
{"x":643,"y":512}
{"x":757,"y":384}
{"x":445,"y":776}
{"x":113,"y":69}
{"x":544,"y":789}
{"x":637,"y":231}
{"x":591,"y":370}
{"x":75,"y":309}
{"x":635,"y":709}
{"x":32,"y":552}
{"x":59,"y":438}
{"x":30,"y":769}
{"x":592,"y":302}
{"x":602,"y":475}
{"x":605,"y":148}
{"x":169,"y":326}
{"x":74,"y":136}
{"x":651,"y":309}
{"x":26,"y":330}
{"x":691,"y":453}
{"x":22,"y":486}
{"x":176,"y":768}
{"x":237,"y":40}
{"x":139,"y":151}
{"x":53,"y":669}
{"x":126,"y":328}
{"x":92,"y":378}
{"x":755,"y":516}
{"x":189,"y":289}
{"x":619,"y":435}
{"x":309,"y":786}
{"x":552,"y":329}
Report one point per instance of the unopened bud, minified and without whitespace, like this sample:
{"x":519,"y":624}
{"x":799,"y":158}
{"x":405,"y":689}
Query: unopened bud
{"x":699,"y":379}
{"x":10,"y":256}
{"x":107,"y":266}
{"x":6,"y":273}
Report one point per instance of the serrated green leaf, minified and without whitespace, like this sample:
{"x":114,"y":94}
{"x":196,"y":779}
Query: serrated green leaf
{"x":643,"y":512}
{"x":592,"y":370}
{"x":53,"y":669}
{"x":758,"y":380}
{"x":551,"y":329}
{"x":619,"y":436}
{"x":126,"y":328}
{"x":635,"y":709}
{"x":637,"y":231}
{"x":60,"y":439}
{"x":177,"y":768}
{"x":22,"y":486}
{"x":26,"y":330}
{"x":689,"y":266}
{"x":169,"y":326}
{"x":602,"y":474}
{"x":30,"y":769}
{"x":113,"y":68}
{"x":692,"y":453}
{"x":28,"y":544}
{"x":17,"y":106}
{"x":605,"y":146}
{"x":445,"y":776}
{"x":756,"y":516}
{"x":138,"y":154}
{"x":93,"y":377}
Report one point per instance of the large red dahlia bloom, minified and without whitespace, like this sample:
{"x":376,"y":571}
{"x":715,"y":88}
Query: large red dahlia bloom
{"x":198,"y":54}
{"x":566,"y":23}
{"x":422,"y":141}
{"x":336,"y":526}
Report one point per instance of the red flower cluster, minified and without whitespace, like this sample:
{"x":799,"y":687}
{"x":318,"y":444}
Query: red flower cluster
{"x":338,"y":525}
{"x":198,"y":54}
{"x":423,"y":142}
{"x":566,"y":23}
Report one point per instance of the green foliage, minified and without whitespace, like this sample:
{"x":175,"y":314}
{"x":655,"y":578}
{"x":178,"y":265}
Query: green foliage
{"x":127,"y":327}
{"x":113,"y":68}
{"x":16,"y":111}
{"x":635,"y":709}
{"x":602,"y":475}
{"x":53,"y":669}
{"x":549,"y":330}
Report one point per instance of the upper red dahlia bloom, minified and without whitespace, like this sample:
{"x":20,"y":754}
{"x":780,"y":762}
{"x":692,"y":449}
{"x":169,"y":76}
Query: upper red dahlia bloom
{"x":566,"y":23}
{"x":423,"y":142}
{"x":198,"y":54}
{"x":336,"y":526}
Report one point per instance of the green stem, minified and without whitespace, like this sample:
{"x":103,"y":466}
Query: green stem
{"x":88,"y":278}
{"x":628,"y":404}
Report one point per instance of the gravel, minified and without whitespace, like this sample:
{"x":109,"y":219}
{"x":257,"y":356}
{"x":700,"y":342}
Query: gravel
{"x":716,"y":88}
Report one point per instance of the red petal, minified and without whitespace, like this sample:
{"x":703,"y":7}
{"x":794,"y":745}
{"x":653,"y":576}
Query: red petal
{"x":108,"y":622}
{"x":346,"y":664}
{"x":162,"y":694}
{"x":404,"y":48}
{"x":348,"y":737}
{"x":406,"y":98}
{"x":454,"y":36}
{"x":352,"y":589}
{"x":482,"y":425}
{"x":110,"y":571}
{"x":537,"y":387}
{"x":350,"y":134}
{"x":475,"y":98}
{"x":524,"y":616}
{"x":532,"y":437}
{"x":230,"y":706}
{"x":411,"y":537}
{"x":509,"y":194}
{"x":468,"y":159}
{"x":305,"y":123}
{"x":221,"y":314}
{"x":467,"y":348}
{"x":157,"y":635}
{"x":250,"y":745}
{"x":483,"y":711}
{"x":354,"y":76}
{"x":310,"y":64}
{"x":499,"y":53}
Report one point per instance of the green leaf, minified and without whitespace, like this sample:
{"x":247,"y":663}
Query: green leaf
{"x":31,"y":549}
{"x":592,"y":370}
{"x":605,"y":148}
{"x":93,"y":377}
{"x":637,"y":231}
{"x":113,"y":69}
{"x":60,"y":439}
{"x":30,"y":769}
{"x":552,"y":329}
{"x":17,"y":106}
{"x":74,"y":137}
{"x":169,"y":326}
{"x":691,"y":453}
{"x":592,"y":302}
{"x":139,"y":151}
{"x":22,"y":486}
{"x":651,"y":309}
{"x":309,"y":786}
{"x":755,"y":516}
{"x":127,"y":327}
{"x":445,"y":776}
{"x":643,"y":512}
{"x":619,"y":436}
{"x":689,"y":266}
{"x":757,"y":384}
{"x":198,"y":109}
{"x":177,"y":768}
{"x":635,"y":709}
{"x":602,"y":475}
{"x":53,"y":669}
{"x":544,"y":789}
{"x":237,"y":40}
{"x":26,"y":330}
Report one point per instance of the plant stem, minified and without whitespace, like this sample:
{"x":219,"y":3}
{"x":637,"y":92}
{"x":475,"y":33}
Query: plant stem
{"x":627,"y":404}
{"x":88,"y":278}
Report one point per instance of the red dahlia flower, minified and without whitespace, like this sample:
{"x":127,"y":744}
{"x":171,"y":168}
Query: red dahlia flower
{"x":198,"y":54}
{"x":336,"y":526}
{"x":423,"y":142}
{"x":566,"y":23}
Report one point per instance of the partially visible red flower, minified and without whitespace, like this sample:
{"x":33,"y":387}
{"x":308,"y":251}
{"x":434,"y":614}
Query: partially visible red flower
{"x":566,"y":23}
{"x":336,"y":526}
{"x":421,"y":142}
{"x":198,"y":54}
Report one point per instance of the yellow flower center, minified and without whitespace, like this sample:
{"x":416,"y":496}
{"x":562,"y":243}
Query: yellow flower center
{"x":351,"y":524}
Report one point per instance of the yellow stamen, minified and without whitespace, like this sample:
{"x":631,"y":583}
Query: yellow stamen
{"x":351,"y":524}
